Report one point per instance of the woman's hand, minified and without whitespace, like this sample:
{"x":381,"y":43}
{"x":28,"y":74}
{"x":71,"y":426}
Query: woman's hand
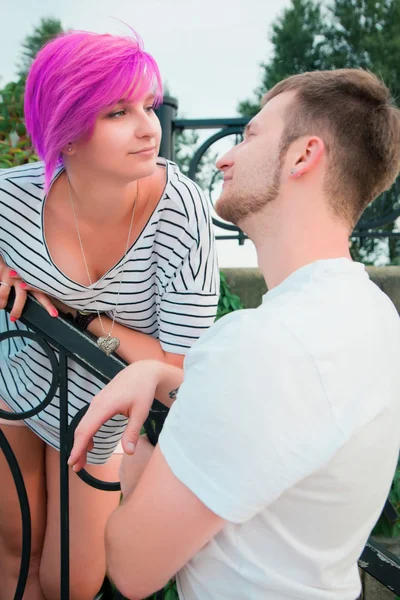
{"x":10,"y":279}
{"x":130,"y":393}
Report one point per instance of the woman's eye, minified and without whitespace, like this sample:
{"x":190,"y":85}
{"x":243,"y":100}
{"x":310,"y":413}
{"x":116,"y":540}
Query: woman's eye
{"x":149,"y":108}
{"x":117,"y":114}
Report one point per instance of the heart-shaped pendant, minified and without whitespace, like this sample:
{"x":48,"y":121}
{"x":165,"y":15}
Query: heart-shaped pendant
{"x":108,"y":344}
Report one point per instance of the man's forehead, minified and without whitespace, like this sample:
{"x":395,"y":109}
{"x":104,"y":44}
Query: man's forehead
{"x":273,"y":109}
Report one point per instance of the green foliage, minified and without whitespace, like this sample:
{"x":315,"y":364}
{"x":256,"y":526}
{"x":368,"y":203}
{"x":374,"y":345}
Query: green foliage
{"x":228,"y":302}
{"x":332,"y":34}
{"x":47,"y":29}
{"x":185,"y":143}
{"x":15,"y":147}
{"x":170,"y":591}
{"x":383,"y":527}
{"x":297,"y":48}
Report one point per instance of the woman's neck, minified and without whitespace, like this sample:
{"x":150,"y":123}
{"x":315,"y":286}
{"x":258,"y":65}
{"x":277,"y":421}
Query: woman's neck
{"x":100,"y":200}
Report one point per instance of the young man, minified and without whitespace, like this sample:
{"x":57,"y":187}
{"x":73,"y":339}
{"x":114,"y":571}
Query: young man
{"x":277,"y":456}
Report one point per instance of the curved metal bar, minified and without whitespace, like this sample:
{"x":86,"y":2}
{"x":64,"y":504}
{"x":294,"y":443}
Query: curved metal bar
{"x":55,"y":375}
{"x":380,"y":204}
{"x":106,"y":486}
{"x":194,"y":164}
{"x":158,"y":412}
{"x":25,"y":515}
{"x":378,"y":222}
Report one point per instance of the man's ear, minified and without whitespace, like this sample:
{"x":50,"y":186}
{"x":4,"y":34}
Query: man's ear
{"x":308,"y":157}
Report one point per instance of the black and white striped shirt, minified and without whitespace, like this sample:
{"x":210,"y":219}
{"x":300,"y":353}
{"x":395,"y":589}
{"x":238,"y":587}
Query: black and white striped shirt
{"x":169,"y":291}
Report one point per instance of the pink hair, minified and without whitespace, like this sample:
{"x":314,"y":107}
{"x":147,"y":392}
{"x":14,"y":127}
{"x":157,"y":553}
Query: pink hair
{"x":73,"y":78}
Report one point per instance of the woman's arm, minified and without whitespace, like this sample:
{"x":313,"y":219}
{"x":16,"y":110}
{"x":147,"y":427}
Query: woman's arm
{"x":134,"y":345}
{"x":130,"y":393}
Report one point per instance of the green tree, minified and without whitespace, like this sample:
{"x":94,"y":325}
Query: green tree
{"x":47,"y":29}
{"x":297,"y":47}
{"x":15,"y":147}
{"x":366,"y":34}
{"x":331,"y":34}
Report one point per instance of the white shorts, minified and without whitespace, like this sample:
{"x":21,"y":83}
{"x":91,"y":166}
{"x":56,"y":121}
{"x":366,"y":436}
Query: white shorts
{"x":3,"y":406}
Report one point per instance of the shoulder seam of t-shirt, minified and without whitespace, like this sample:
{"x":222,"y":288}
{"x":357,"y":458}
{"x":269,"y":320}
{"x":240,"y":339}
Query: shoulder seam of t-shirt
{"x":311,"y":356}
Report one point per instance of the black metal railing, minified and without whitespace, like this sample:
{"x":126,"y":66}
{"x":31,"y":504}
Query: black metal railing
{"x":82,"y":349}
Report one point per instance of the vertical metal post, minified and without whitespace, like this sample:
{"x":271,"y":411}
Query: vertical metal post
{"x":167,"y":113}
{"x":64,"y":483}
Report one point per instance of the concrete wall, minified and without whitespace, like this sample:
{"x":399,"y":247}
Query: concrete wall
{"x":250,"y":285}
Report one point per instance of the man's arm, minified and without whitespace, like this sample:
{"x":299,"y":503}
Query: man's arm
{"x":157,"y":529}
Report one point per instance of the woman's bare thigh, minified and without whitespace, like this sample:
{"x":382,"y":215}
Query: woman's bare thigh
{"x":29,"y":450}
{"x":89,"y":510}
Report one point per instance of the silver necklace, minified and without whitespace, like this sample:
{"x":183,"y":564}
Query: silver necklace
{"x":106,"y":342}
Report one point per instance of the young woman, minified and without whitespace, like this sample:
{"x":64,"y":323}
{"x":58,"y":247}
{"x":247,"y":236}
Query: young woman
{"x":105,"y":227}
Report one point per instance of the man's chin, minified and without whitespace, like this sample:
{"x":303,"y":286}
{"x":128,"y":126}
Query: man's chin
{"x":224,"y":207}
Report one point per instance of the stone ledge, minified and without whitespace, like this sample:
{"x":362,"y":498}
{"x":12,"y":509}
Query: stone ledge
{"x":249,"y":284}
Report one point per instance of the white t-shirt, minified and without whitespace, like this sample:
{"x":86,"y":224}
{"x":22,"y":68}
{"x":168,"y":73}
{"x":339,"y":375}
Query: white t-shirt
{"x":287,"y":426}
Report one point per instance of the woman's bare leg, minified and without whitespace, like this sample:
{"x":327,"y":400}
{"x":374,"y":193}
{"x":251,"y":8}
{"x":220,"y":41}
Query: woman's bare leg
{"x":89,"y":512}
{"x":29,"y":450}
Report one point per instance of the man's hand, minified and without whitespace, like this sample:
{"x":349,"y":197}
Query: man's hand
{"x":130,"y":393}
{"x":132,"y":467}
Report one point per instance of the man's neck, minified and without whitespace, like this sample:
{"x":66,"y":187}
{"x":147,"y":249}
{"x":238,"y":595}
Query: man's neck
{"x":287,"y":245}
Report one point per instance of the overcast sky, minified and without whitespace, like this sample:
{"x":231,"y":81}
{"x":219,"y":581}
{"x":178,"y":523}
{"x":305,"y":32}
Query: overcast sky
{"x":209,"y":51}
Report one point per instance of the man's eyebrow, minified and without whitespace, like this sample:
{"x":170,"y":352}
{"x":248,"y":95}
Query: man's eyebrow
{"x":249,"y":127}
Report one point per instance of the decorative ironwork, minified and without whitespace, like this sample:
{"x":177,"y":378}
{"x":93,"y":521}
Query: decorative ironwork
{"x":83,"y":350}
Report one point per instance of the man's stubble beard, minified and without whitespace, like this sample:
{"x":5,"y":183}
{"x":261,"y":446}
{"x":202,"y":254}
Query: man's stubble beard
{"x":235,"y":206}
